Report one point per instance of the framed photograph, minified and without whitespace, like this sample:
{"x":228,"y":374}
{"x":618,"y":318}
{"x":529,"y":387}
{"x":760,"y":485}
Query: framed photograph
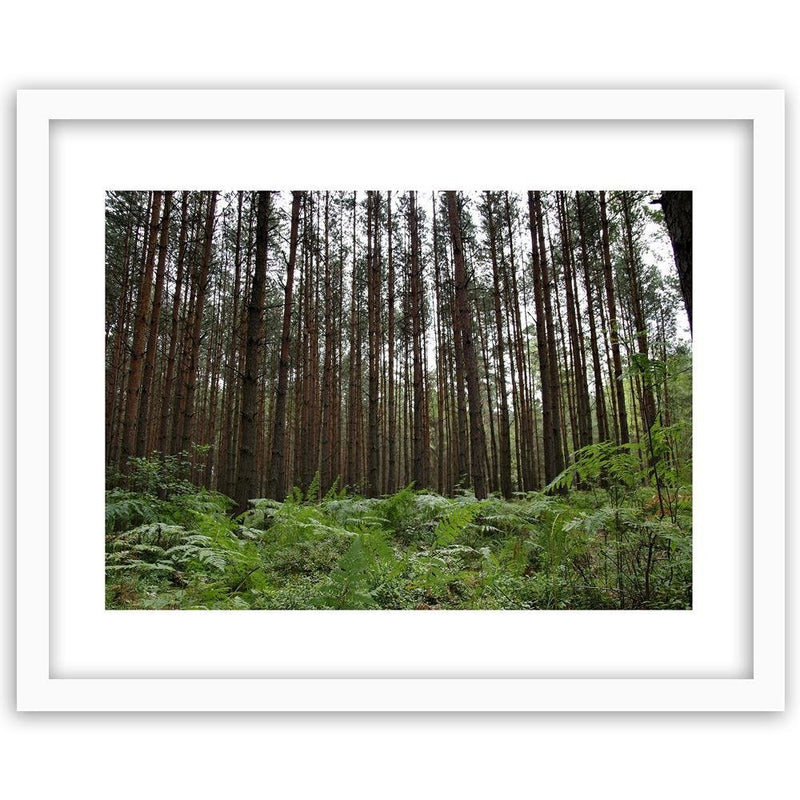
{"x":400,"y":400}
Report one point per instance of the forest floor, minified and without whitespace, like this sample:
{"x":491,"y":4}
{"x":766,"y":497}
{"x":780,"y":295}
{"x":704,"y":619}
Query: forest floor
{"x":175,"y":546}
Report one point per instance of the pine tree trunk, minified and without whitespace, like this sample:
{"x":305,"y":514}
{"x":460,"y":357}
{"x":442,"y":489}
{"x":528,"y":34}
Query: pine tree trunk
{"x":247,"y":478}
{"x":373,"y":347}
{"x":391,"y":444}
{"x":492,"y":459}
{"x":276,"y":487}
{"x":152,"y":338}
{"x":477,"y":441}
{"x":326,"y":458}
{"x":624,"y":436}
{"x":417,"y":443}
{"x":545,"y":336}
{"x":227,"y":457}
{"x":599,"y":393}
{"x":648,"y":405}
{"x":187,"y":431}
{"x":584,"y":421}
{"x":140,"y":333}
{"x":504,"y":431}
{"x":166,"y":395}
{"x":677,"y":208}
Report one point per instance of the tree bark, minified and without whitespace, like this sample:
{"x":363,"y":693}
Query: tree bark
{"x":276,"y":485}
{"x":246,"y":478}
{"x":504,"y":465}
{"x":418,"y":438}
{"x":143,"y":422}
{"x":599,"y":392}
{"x":677,"y":208}
{"x":140,"y":331}
{"x":373,"y":335}
{"x":545,"y":336}
{"x":477,"y":440}
{"x":624,"y":436}
{"x":326,"y":458}
{"x":392,"y":423}
{"x":187,"y":431}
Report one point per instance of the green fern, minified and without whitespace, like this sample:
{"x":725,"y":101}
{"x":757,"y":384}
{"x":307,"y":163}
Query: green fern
{"x":458,"y":517}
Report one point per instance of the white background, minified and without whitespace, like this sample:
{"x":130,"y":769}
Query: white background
{"x":712,"y":640}
{"x":565,"y":45}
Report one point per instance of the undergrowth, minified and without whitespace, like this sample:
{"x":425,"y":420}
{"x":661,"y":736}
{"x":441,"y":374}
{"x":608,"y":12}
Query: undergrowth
{"x":170,"y":545}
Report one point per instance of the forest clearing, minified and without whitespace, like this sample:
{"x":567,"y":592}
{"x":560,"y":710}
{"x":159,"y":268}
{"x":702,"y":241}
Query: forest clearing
{"x":398,"y":400}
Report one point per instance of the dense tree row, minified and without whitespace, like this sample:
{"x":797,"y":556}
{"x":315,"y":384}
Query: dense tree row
{"x":374,"y":339}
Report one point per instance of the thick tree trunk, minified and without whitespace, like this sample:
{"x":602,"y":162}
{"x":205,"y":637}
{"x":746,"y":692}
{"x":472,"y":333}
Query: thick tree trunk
{"x":677,"y":208}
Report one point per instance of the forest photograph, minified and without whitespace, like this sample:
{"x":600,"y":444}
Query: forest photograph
{"x":398,"y":399}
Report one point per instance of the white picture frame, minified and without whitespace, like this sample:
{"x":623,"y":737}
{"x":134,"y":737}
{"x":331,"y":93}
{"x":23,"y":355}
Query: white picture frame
{"x":56,"y":547}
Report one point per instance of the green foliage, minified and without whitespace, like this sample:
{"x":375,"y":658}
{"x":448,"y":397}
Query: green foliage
{"x":162,"y":476}
{"x":602,"y":464}
{"x":412,"y":550}
{"x":455,"y":521}
{"x":126,"y":510}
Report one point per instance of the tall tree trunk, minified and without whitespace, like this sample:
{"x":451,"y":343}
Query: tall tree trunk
{"x":548,"y":354}
{"x":504,"y":432}
{"x":584,"y":421}
{"x":477,"y":442}
{"x":624,"y":436}
{"x":462,"y":439}
{"x":120,"y":335}
{"x":391,"y":444}
{"x":525,"y":435}
{"x":187,"y":431}
{"x":326,"y":459}
{"x":140,"y":331}
{"x":373,"y":335}
{"x":247,"y":478}
{"x":441,"y":359}
{"x":492,"y":459}
{"x":354,"y":389}
{"x":599,"y":393}
{"x":276,"y":487}
{"x":185,"y":343}
{"x":142,"y":425}
{"x":227,"y":460}
{"x":677,"y":208}
{"x":418,"y":438}
{"x":166,"y":395}
{"x":648,"y":404}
